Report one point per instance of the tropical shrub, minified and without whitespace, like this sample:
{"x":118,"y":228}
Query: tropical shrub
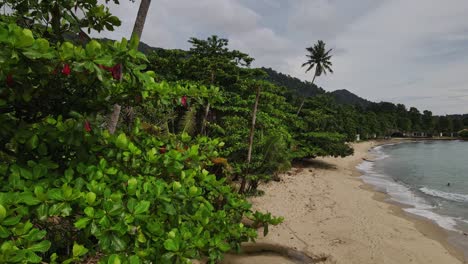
{"x":73,"y":192}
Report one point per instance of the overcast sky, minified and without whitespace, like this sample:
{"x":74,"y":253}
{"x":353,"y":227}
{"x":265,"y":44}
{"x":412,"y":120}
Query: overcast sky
{"x":404,"y":51}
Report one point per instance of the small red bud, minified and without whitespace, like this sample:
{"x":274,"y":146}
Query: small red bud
{"x":183,"y":101}
{"x":117,"y":72}
{"x":87,"y":126}
{"x":162,"y":150}
{"x":66,"y":69}
{"x":9,"y":80}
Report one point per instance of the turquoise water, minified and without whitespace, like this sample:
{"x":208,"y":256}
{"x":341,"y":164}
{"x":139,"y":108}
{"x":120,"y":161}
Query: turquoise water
{"x":430,"y":177}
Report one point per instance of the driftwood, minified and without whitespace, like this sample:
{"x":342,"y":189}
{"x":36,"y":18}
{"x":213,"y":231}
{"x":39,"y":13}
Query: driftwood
{"x":297,"y":256}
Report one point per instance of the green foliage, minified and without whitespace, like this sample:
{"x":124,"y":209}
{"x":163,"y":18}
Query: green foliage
{"x":54,"y":19}
{"x":72,"y":192}
{"x":278,"y":131}
{"x":463,"y":134}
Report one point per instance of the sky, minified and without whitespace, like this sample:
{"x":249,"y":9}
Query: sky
{"x":412,"y":52}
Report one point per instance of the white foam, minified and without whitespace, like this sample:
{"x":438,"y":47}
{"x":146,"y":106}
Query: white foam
{"x":462,"y":198}
{"x":365,"y":166}
{"x":446,"y":222}
{"x":401,"y":193}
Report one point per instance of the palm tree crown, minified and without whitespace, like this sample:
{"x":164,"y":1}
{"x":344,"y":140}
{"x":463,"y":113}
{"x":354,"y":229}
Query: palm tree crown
{"x":318,"y":58}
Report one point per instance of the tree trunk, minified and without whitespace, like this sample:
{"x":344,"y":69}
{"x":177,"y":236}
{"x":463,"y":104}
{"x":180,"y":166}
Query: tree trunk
{"x":303,"y":99}
{"x":205,"y":118}
{"x":251,"y":137}
{"x":114,"y":119}
{"x":141,"y":18}
{"x":207,"y":109}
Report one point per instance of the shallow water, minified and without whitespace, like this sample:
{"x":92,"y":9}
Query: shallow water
{"x":417,"y":175}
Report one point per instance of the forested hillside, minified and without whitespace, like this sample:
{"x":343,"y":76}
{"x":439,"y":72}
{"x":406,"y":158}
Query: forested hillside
{"x":293,"y":84}
{"x":347,"y":97}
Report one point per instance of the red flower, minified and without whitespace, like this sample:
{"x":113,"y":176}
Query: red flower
{"x":117,"y":72}
{"x":183,"y":101}
{"x":66,"y":69}
{"x":9,"y":80}
{"x":138,"y":99}
{"x":162,"y":150}
{"x":87,"y":126}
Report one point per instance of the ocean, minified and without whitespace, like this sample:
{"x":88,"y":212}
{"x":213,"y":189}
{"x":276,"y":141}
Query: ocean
{"x":430,"y":178}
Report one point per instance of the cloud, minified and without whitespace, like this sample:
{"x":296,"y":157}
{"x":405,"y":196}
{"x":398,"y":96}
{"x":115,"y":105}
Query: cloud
{"x":383,"y":49}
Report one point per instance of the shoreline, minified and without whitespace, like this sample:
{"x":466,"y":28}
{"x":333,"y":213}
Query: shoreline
{"x":330,"y":211}
{"x":451,"y":240}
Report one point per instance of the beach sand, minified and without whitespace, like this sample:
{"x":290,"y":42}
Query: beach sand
{"x":329,"y":211}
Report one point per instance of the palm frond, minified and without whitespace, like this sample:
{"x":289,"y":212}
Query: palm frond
{"x":188,"y":122}
{"x":318,"y":58}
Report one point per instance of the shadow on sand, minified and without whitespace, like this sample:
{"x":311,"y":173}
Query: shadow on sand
{"x":313,"y":163}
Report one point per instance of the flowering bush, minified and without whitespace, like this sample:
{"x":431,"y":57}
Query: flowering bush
{"x":73,"y":192}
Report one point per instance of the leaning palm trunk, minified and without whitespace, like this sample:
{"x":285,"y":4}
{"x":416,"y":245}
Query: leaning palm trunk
{"x":303,"y":98}
{"x":251,"y":138}
{"x":141,"y":18}
{"x":137,"y":31}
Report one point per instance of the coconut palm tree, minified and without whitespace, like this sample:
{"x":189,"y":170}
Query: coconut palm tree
{"x":319,"y":58}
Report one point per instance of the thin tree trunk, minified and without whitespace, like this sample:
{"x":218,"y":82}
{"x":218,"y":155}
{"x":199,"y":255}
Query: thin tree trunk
{"x":141,"y":18}
{"x":252,"y":128}
{"x":114,"y":118}
{"x":205,"y":118}
{"x":251,"y":138}
{"x":303,"y":98}
{"x":207,"y":109}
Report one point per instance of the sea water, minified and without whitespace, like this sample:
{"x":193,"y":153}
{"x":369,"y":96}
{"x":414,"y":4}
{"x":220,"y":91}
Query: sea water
{"x":429,"y":177}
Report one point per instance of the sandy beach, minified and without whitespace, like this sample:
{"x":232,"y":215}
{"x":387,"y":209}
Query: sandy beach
{"x":330,"y":212}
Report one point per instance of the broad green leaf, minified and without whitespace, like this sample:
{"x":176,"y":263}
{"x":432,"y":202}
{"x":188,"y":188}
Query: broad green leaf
{"x":32,"y":257}
{"x":117,"y":243}
{"x":134,"y":42}
{"x":106,"y":61}
{"x":79,"y":250}
{"x":4,"y":232}
{"x":134,"y":260}
{"x":11,"y":221}
{"x":142,"y":207}
{"x":35,"y":234}
{"x":114,"y":259}
{"x":33,"y":142}
{"x":223,"y":246}
{"x":26,"y":39}
{"x":171,"y":245}
{"x":93,"y":48}
{"x":29,"y":199}
{"x":41,"y":247}
{"x":122,"y":141}
{"x":90,"y":198}
{"x":42,"y":212}
{"x":3,"y":212}
{"x":55,"y":194}
{"x":82,"y":222}
{"x":89,"y":211}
